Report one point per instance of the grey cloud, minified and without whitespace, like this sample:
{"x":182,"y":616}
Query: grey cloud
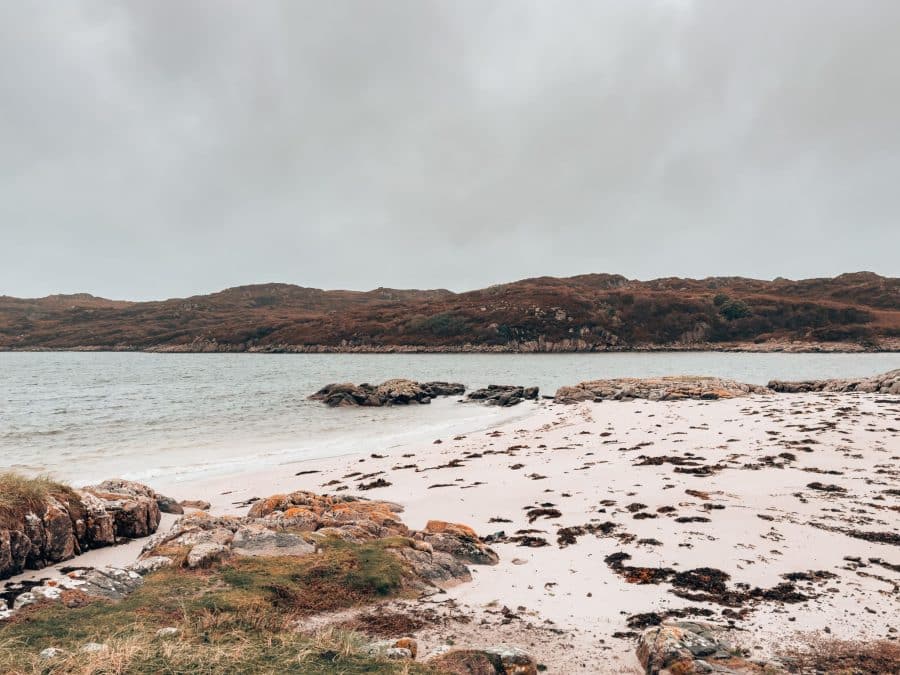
{"x":153,"y":149}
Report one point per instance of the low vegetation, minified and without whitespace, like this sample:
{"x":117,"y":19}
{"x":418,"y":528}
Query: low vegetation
{"x":237,"y":617}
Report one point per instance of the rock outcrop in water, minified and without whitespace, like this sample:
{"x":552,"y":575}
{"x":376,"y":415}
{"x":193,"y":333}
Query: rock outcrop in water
{"x":391,"y":392}
{"x":886,"y":383}
{"x":504,"y":395}
{"x":68,"y":522}
{"x":657,"y":389}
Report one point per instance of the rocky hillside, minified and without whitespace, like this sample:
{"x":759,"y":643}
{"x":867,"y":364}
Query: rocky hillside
{"x":583,"y":313}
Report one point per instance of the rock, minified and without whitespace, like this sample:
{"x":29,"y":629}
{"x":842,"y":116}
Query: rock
{"x":197,"y":504}
{"x":296,"y":523}
{"x":886,"y":383}
{"x":513,"y":661}
{"x":408,"y":643}
{"x":145,"y":566}
{"x":391,"y":392}
{"x":436,"y":569}
{"x":504,"y":395}
{"x":460,"y":541}
{"x":109,"y":582}
{"x":167,"y":632}
{"x":501,"y":660}
{"x":71,"y":522}
{"x":404,"y":649}
{"x":93,"y":648}
{"x":205,"y":553}
{"x":133,"y":506}
{"x":397,"y":654}
{"x":689,"y":646}
{"x":169,"y":505}
{"x":657,"y":389}
{"x":258,"y":540}
{"x":51,"y":653}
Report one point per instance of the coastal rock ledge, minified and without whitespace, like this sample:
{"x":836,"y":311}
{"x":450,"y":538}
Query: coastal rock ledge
{"x":674,"y":388}
{"x":886,"y":383}
{"x":53,"y":522}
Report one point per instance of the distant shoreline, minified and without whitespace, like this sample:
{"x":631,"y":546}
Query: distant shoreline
{"x":212,"y":347}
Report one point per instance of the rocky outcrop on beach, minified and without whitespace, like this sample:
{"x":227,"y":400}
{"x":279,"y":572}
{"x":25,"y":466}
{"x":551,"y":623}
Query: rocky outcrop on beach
{"x":886,"y":383}
{"x":391,"y":392}
{"x":657,"y":389}
{"x":73,"y":589}
{"x":71,"y":522}
{"x":298,"y":523}
{"x":504,"y":395}
{"x":695,"y":647}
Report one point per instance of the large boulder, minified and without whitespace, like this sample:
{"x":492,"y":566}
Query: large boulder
{"x":135,"y":507}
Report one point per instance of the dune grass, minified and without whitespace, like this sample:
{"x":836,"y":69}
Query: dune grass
{"x":237,"y":617}
{"x":20,"y":495}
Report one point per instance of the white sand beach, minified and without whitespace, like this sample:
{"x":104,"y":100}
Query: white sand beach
{"x":686,"y":485}
{"x":756,"y":488}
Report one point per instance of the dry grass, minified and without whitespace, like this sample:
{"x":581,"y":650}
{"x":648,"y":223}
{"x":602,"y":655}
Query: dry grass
{"x":20,"y":495}
{"x":843,"y":657}
{"x":238,"y":617}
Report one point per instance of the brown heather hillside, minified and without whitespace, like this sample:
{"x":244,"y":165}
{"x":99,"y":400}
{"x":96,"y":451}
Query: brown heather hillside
{"x":582,"y":313}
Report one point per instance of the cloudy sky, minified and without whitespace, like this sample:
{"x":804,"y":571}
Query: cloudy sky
{"x":157,"y":149}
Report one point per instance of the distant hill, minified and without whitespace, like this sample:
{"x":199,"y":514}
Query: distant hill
{"x":591,"y":312}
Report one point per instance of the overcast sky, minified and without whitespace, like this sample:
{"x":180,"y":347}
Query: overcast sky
{"x":152,"y":149}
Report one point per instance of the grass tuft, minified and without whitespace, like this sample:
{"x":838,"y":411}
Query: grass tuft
{"x":20,"y":496}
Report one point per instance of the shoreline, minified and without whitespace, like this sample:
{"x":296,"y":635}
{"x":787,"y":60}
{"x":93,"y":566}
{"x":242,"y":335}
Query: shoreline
{"x":737,"y":472}
{"x":200,"y":346}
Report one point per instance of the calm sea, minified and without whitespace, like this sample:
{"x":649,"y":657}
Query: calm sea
{"x":87,"y":416}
